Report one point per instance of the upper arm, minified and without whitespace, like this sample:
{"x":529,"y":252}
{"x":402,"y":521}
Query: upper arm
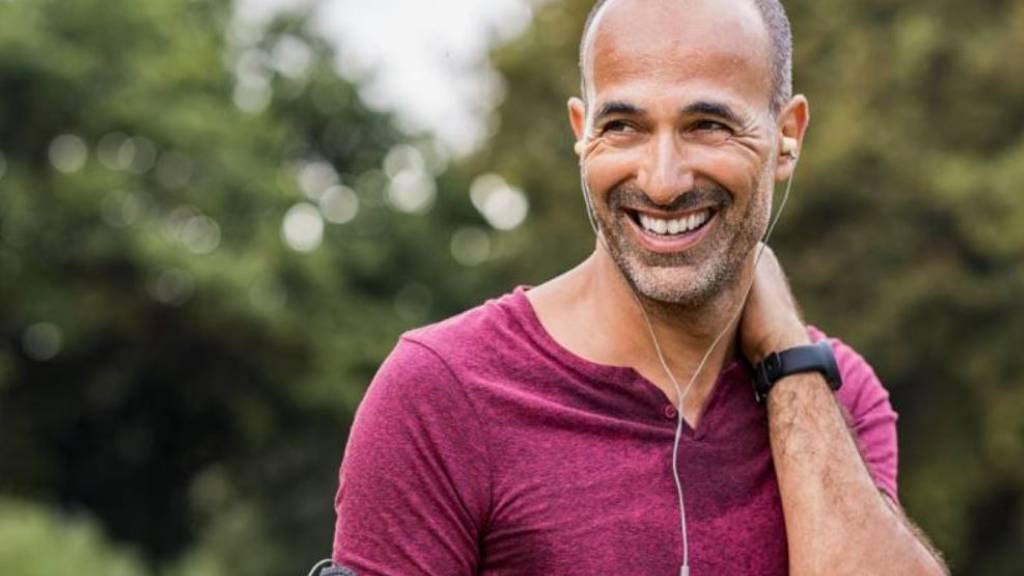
{"x":414,"y":482}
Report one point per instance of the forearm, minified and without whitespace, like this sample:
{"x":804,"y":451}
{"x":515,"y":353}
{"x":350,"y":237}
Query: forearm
{"x":837,"y":521}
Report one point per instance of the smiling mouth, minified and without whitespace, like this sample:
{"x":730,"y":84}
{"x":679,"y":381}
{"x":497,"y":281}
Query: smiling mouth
{"x":668,"y":227}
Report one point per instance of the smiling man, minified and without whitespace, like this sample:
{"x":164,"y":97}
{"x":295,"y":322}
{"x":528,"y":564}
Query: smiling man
{"x":661,"y":408}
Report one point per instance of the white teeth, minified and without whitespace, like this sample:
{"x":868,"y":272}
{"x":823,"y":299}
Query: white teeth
{"x":675,"y":226}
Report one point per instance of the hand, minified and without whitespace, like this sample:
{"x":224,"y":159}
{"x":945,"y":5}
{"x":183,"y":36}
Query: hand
{"x":771,"y":320}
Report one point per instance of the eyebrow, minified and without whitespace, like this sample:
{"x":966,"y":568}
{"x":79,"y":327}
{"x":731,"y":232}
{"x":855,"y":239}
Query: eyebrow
{"x":617,"y":108}
{"x":708,"y":108}
{"x":699,"y":108}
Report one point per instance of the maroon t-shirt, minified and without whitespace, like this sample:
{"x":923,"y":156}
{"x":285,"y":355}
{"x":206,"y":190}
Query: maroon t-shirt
{"x":484,"y":447}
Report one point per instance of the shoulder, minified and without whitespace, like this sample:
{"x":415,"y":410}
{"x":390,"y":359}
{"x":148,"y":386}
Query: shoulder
{"x":435,"y":359}
{"x":477,"y":338}
{"x":496,"y":314}
{"x":417,"y":450}
{"x":418,"y":407}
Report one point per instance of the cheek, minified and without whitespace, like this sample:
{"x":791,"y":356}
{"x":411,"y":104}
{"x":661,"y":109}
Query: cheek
{"x":605,"y":169}
{"x":740,"y":175}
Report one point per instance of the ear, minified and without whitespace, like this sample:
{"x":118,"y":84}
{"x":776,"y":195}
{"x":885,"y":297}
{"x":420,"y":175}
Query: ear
{"x":793,"y":121}
{"x":577,"y":117}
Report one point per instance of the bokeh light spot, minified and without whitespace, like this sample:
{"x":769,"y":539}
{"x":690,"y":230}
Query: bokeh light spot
{"x":201,"y":234}
{"x":120,"y":209}
{"x":68,"y":153}
{"x":252,"y":94}
{"x":144,"y":156}
{"x":402,"y":158}
{"x":412,"y":191}
{"x":176,"y":221}
{"x":291,"y":57}
{"x":42,"y":341}
{"x":252,"y":64}
{"x":303,"y":227}
{"x":315,"y":177}
{"x":339,"y":204}
{"x":114,"y":151}
{"x":436,"y":156}
{"x":503,"y":206}
{"x":470,"y":246}
{"x":172,"y":287}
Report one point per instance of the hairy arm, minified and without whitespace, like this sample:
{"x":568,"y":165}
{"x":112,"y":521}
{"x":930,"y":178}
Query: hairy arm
{"x":837,"y":521}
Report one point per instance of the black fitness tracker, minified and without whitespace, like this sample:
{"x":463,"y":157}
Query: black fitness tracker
{"x":816,"y":357}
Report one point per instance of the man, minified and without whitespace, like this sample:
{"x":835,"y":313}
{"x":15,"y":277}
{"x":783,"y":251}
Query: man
{"x":536,"y":434}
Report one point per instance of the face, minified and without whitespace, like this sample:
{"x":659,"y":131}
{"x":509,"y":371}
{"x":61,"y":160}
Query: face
{"x":681,"y":145}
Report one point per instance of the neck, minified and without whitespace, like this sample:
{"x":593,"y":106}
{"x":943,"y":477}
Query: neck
{"x":684,"y":332}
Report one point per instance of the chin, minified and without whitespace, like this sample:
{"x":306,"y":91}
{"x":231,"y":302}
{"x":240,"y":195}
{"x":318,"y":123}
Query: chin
{"x":675,"y":287}
{"x":688,"y":279}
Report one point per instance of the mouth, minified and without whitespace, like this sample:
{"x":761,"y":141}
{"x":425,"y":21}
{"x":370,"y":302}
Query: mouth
{"x":670,"y":232}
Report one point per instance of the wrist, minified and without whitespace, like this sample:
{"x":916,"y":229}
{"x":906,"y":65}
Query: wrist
{"x":795,"y":360}
{"x":793,"y":336}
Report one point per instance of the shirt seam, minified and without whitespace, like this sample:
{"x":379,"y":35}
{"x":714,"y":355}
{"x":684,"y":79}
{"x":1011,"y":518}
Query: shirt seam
{"x":479,"y":420}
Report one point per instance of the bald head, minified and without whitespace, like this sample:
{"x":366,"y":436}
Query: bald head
{"x":772,"y":29}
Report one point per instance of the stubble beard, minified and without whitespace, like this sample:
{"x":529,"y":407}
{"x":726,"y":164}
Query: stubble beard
{"x":696,"y":277}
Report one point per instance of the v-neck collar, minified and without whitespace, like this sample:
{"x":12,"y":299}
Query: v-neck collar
{"x":736,"y":371}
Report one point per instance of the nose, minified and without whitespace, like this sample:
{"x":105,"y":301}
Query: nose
{"x":664,"y":173}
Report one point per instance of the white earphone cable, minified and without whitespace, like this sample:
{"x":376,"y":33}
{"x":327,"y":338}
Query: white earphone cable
{"x":682,"y":392}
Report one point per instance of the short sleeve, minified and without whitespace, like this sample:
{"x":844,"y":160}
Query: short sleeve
{"x":873,"y":419}
{"x":414,"y":483}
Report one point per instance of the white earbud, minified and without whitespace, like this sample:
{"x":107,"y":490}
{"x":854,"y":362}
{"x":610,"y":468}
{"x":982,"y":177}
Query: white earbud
{"x":789,"y":146}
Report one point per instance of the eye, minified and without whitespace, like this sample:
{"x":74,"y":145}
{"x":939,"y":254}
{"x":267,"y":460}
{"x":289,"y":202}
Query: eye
{"x":709,"y":132}
{"x":618,"y":126}
{"x":710,"y":126}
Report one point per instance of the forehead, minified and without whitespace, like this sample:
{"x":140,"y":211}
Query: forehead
{"x":667,"y":45}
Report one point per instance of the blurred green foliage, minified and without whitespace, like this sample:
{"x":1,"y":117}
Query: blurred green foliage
{"x":169,"y":363}
{"x":36,"y":542}
{"x":175,"y":364}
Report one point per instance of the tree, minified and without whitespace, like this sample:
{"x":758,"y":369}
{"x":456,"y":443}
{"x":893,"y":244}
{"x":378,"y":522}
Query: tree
{"x":184,"y":341}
